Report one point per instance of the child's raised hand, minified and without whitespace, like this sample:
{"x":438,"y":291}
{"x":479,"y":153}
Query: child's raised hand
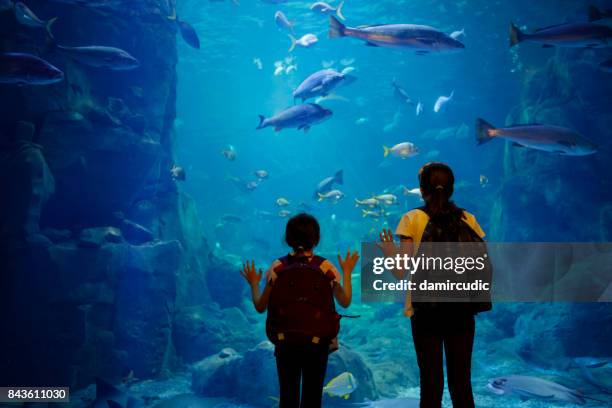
{"x":250,"y":274}
{"x":348,"y":263}
{"x":386,"y":244}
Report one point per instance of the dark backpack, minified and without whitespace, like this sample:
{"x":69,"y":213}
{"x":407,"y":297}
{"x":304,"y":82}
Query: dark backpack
{"x":301,"y":308}
{"x":444,"y":229}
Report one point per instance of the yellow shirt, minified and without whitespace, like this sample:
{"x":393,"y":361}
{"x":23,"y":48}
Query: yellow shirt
{"x":412,"y":225}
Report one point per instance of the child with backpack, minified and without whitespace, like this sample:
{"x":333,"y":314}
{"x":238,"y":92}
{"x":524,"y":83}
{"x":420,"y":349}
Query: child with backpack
{"x":302,"y":321}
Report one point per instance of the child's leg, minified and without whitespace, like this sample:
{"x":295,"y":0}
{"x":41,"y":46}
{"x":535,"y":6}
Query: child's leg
{"x":289,"y":373}
{"x":428,"y":347}
{"x":458,"y":348}
{"x":313,"y":375}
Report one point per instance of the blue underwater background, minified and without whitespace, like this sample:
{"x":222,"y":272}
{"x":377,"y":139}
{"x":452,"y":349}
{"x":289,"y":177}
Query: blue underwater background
{"x":117,"y":267}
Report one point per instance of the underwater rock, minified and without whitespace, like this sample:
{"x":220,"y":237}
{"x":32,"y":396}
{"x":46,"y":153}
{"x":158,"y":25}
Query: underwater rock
{"x":134,"y":233}
{"x":96,"y":237}
{"x":225,"y":283}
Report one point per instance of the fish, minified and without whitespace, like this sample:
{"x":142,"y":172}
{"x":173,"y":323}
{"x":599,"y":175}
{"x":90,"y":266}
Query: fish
{"x":387,"y":199}
{"x":332,"y":195}
{"x":107,"y":395}
{"x":442,"y":102}
{"x":372,"y":214}
{"x":231,"y":218}
{"x":456,"y":34}
{"x":26,"y":17}
{"x":189,"y":34}
{"x":261,"y":174}
{"x":327,"y":183}
{"x":178,"y":173}
{"x":574,"y":35}
{"x":282,"y":202}
{"x":229,"y":152}
{"x":585,"y":364}
{"x":527,"y":387}
{"x":595,"y":14}
{"x":348,"y":70}
{"x":548,"y":138}
{"x":419,"y":108}
{"x":419,"y":38}
{"x":252,"y":185}
{"x":299,"y":116}
{"x":331,"y":98}
{"x":258,"y":63}
{"x":306,"y":41}
{"x":284,"y":213}
{"x":400,"y":94}
{"x":367,"y":202}
{"x":402,"y":150}
{"x":341,"y":386}
{"x":27,"y":69}
{"x":279,"y":68}
{"x":361,"y":121}
{"x":324,"y":8}
{"x":100,"y":57}
{"x":282,"y":21}
{"x":412,"y":191}
{"x":483,"y":180}
{"x":290,"y":69}
{"x":606,"y":66}
{"x":405,"y":402}
{"x":321,"y":83}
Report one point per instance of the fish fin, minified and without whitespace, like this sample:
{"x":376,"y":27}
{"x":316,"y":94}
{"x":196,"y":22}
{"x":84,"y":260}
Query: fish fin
{"x":385,"y":151}
{"x":339,"y":11}
{"x":48,"y":26}
{"x":483,"y":131}
{"x":547,"y":46}
{"x":339,"y":177}
{"x":293,"y":43}
{"x":516,"y":35}
{"x":336,"y":28}
{"x":320,"y":197}
{"x":594,"y":13}
{"x":262,"y":120}
{"x":370,"y":44}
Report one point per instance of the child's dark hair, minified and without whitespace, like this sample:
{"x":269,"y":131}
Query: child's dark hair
{"x":302,"y":232}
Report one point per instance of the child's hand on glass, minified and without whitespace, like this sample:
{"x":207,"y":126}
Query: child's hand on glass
{"x":348,"y":263}
{"x":250,"y":274}
{"x":386,"y":244}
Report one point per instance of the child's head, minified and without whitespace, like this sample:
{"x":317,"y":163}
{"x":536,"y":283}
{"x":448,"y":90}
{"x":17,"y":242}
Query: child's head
{"x":302,"y":232}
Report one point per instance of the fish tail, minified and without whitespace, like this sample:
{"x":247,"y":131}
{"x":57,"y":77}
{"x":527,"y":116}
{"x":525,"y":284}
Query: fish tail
{"x":357,"y":202}
{"x":339,"y":177}
{"x":320,"y":197}
{"x":484,"y":131}
{"x":516,"y":35}
{"x":48,"y":26}
{"x":594,"y":13}
{"x":339,"y":11}
{"x":336,"y":28}
{"x":364,"y":213}
{"x":262,"y":122}
{"x":385,"y":151}
{"x":293,"y":42}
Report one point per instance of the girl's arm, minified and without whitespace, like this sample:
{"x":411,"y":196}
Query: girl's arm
{"x":344,"y":293}
{"x":260,"y":301}
{"x":390,"y":250}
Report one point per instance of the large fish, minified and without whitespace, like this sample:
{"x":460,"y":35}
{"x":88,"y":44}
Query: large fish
{"x":300,"y":116}
{"x":25,"y":16}
{"x":575,"y":35}
{"x":321,"y":83}
{"x":527,"y":387}
{"x":27,"y":69}
{"x":402,"y":150}
{"x":101,"y":57}
{"x":553,"y":139}
{"x":420,"y":38}
{"x":327,"y":183}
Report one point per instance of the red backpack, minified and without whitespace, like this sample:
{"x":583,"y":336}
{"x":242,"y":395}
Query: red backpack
{"x":301,"y":308}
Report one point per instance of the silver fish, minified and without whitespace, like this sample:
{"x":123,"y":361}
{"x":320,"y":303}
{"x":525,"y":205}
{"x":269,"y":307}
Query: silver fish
{"x":25,"y":16}
{"x":27,"y":69}
{"x":101,"y":57}
{"x":553,"y":139}
{"x":326,"y":184}
{"x":533,"y":387}
{"x":324,"y":8}
{"x":400,"y":94}
{"x":321,"y":83}
{"x":282,"y":21}
{"x":442,"y":101}
{"x":300,"y":116}
{"x":307,"y":40}
{"x":575,"y":35}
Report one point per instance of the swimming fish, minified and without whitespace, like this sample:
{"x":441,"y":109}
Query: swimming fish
{"x":26,"y":69}
{"x":419,"y":108}
{"x":327,"y":183}
{"x":258,"y":63}
{"x":576,"y":35}
{"x":284,"y":213}
{"x":533,"y":387}
{"x":404,"y":402}
{"x":282,"y":202}
{"x":178,"y":173}
{"x":412,"y":191}
{"x":442,"y":101}
{"x":321,"y":83}
{"x":585,"y":364}
{"x":372,"y":214}
{"x":341,"y":386}
{"x":361,"y":121}
{"x":456,"y":34}
{"x":324,"y":8}
{"x":282,"y":21}
{"x":420,"y":38}
{"x":386,"y":199}
{"x":332,"y":195}
{"x":261,"y":174}
{"x":307,"y":40}
{"x":299,"y":116}
{"x":367,"y":202}
{"x":400,"y":94}
{"x":402,"y":150}
{"x":229,"y":152}
{"x":548,"y":138}
{"x":483,"y":180}
{"x":189,"y":34}
{"x":101,"y":57}
{"x":25,"y":16}
{"x":595,"y":14}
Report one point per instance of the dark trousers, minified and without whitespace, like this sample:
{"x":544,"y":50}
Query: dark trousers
{"x":433,"y":333}
{"x":303,"y":365}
